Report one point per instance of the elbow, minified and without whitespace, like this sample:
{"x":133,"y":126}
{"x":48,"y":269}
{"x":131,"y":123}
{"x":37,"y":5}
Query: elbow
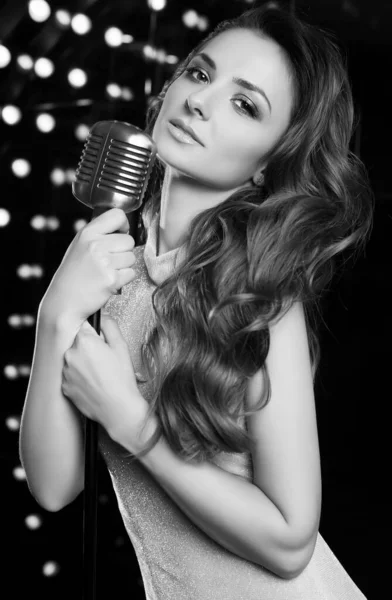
{"x":54,"y":502}
{"x":295,"y":562}
{"x":50,"y":506}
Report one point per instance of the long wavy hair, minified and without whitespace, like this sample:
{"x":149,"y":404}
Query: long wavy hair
{"x":255,"y":254}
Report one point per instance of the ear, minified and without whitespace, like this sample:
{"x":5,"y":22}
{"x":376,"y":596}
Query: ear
{"x":258,"y":178}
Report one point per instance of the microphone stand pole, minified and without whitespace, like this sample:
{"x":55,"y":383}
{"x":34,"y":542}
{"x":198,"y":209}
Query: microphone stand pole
{"x":91,"y":471}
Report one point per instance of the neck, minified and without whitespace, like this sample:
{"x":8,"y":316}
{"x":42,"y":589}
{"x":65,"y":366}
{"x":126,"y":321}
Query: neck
{"x":182,"y":199}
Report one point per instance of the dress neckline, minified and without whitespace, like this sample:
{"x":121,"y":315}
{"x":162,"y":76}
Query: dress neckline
{"x":159,"y":267}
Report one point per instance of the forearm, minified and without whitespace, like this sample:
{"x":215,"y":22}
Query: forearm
{"x":51,"y":435}
{"x":232,"y":511}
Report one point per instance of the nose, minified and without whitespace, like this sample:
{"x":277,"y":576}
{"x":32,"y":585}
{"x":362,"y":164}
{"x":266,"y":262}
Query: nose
{"x":196,"y":104}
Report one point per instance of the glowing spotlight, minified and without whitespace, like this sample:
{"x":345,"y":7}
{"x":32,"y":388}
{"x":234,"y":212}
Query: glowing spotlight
{"x":5,"y":56}
{"x":11,"y":114}
{"x":12,"y":423}
{"x":25,"y":62}
{"x":52,"y":223}
{"x":24,"y":370}
{"x":127,"y":38}
{"x":81,"y":24}
{"x":171,"y":59}
{"x":33,"y":521}
{"x":21,"y":167}
{"x":157,"y":4}
{"x":203,"y":24}
{"x":113,"y":90}
{"x":113,"y":37}
{"x":5,"y":217}
{"x":39,"y":10}
{"x":79,"y":224}
{"x":43,"y":67}
{"x":149,"y":51}
{"x":127,"y":94}
{"x":19,"y":473}
{"x":190,"y":18}
{"x":14,"y":321}
{"x":82,"y":131}
{"x":45,"y":122}
{"x":57,"y":176}
{"x":10,"y":372}
{"x":50,"y":568}
{"x":77,"y":78}
{"x":147,"y":87}
{"x":38,"y":222}
{"x":69,"y":175}
{"x":63,"y":18}
{"x":161,"y":56}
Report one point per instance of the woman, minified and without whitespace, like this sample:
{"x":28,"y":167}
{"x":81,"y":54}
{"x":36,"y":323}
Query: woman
{"x":203,"y":380}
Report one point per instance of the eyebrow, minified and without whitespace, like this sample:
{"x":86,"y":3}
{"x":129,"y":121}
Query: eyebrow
{"x":238,"y":80}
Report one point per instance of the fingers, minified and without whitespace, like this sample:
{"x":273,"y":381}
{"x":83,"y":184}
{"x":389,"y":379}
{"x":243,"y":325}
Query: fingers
{"x":123,"y":260}
{"x":117,"y":242}
{"x":110,"y":221}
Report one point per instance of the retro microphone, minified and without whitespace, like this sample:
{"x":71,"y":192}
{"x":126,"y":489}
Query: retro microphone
{"x":113,"y":172}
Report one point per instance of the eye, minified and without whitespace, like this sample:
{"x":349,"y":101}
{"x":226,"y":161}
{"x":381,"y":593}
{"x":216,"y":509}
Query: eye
{"x":191,"y":70}
{"x":250,"y":110}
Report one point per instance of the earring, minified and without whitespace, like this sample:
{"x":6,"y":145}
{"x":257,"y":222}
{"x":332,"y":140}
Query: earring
{"x":258,"y":179}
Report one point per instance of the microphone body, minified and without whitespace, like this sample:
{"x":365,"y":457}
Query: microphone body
{"x":115,"y":166}
{"x":113,"y":172}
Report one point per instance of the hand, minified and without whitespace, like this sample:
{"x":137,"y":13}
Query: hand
{"x":96,"y":264}
{"x":98,"y":377}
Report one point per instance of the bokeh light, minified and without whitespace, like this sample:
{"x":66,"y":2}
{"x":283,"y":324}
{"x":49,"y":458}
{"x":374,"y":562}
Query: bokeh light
{"x":45,"y":122}
{"x":157,"y":4}
{"x":25,"y":62}
{"x":33,"y":521}
{"x":113,"y":90}
{"x":5,"y":217}
{"x":77,"y":78}
{"x":113,"y":37}
{"x":50,"y":568}
{"x":11,"y":114}
{"x":5,"y":56}
{"x":63,"y":17}
{"x":21,"y":167}
{"x":12,"y":423}
{"x":81,"y":131}
{"x":81,"y":24}
{"x":57,"y":176}
{"x":39,"y":10}
{"x":43,"y":67}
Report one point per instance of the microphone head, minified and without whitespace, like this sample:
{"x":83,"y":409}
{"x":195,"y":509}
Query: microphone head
{"x":115,"y":166}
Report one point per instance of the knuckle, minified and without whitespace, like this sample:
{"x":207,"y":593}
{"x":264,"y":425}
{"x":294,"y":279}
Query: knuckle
{"x":121,"y":213}
{"x":93,"y":246}
{"x":111,"y":280}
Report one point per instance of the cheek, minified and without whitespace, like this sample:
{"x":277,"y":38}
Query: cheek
{"x":240,"y":151}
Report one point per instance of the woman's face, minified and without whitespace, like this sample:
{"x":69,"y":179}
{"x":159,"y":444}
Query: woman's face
{"x":235,"y":125}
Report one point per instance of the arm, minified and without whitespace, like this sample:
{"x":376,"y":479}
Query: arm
{"x":273,"y":521}
{"x":51,"y":440}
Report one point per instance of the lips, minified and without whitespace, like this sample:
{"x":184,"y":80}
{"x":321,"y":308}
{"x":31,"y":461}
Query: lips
{"x":182,"y":125}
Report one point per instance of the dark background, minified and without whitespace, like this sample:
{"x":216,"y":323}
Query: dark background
{"x":352,"y":392}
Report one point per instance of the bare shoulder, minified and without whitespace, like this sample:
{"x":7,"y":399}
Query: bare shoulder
{"x":286,"y":460}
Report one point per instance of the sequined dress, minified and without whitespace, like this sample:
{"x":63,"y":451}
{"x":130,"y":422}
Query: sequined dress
{"x":177,"y":560}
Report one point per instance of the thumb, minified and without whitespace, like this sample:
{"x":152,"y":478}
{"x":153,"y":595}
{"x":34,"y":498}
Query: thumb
{"x":112,"y":332}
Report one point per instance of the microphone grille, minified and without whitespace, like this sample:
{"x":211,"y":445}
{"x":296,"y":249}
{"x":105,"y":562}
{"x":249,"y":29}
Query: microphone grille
{"x":90,"y":155}
{"x":115,"y":165}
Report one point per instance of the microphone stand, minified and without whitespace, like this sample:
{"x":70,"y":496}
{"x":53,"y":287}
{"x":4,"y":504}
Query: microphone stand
{"x":114,"y":169}
{"x":91,"y":470}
